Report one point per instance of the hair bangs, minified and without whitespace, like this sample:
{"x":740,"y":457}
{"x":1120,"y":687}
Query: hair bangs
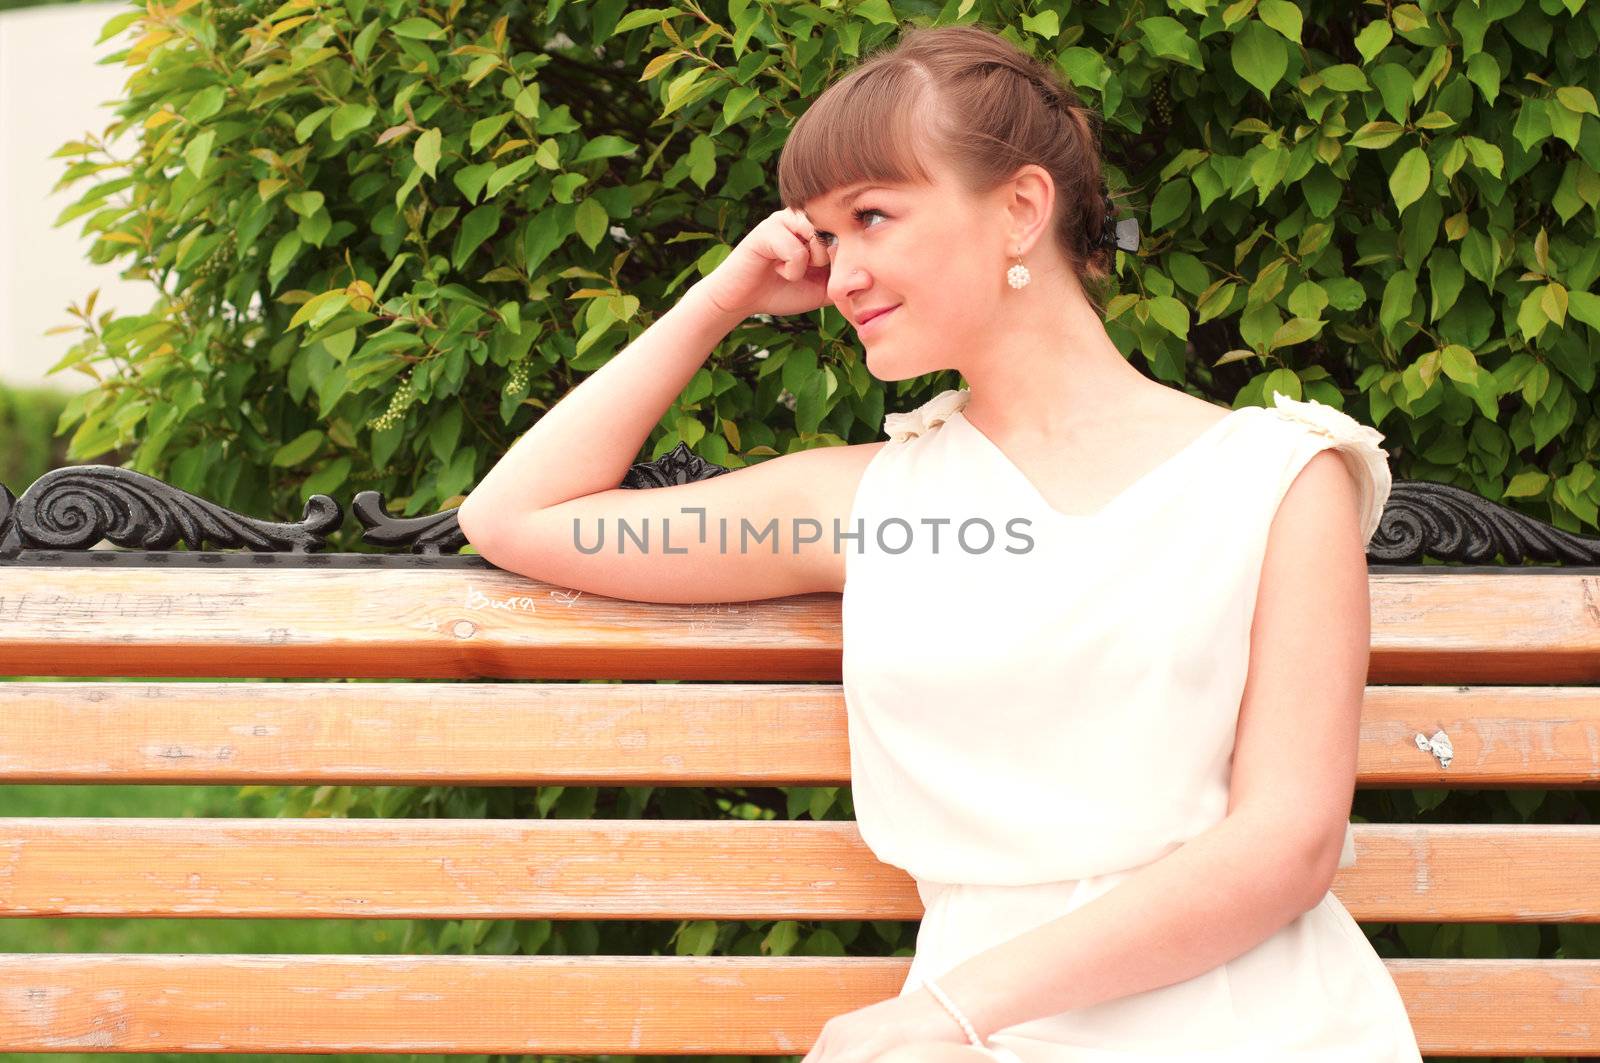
{"x":868,"y":127}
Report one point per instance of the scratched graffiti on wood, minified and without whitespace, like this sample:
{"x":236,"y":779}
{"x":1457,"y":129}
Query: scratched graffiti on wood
{"x":33,"y":606}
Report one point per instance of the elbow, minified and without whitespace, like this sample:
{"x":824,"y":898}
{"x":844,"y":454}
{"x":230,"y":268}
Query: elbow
{"x":475,"y":533}
{"x":1320,"y":863}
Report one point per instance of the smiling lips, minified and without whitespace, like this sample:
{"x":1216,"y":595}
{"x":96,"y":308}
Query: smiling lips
{"x":871,"y":314}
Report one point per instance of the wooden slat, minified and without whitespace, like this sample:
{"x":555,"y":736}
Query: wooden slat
{"x":422,"y":624}
{"x":670,"y":869}
{"x":1430,"y":625}
{"x":650,"y":1005}
{"x":638,"y":734}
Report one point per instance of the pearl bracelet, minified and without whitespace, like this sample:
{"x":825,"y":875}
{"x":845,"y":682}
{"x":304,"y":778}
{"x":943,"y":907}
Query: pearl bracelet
{"x":949,"y":1005}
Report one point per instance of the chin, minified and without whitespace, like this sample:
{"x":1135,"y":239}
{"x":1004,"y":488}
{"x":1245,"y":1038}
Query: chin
{"x":891,"y":369}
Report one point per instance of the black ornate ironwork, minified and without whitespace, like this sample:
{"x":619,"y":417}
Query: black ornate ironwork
{"x":680,"y":465}
{"x":1450,"y":524}
{"x":68,"y":510}
{"x":439,"y":533}
{"x":75,"y":507}
{"x":434,"y":534}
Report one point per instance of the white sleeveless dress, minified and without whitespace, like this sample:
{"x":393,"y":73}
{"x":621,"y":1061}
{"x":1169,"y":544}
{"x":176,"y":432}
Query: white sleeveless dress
{"x":1040,"y":703}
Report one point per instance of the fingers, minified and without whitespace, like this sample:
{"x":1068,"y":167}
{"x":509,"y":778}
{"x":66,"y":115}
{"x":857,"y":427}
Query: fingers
{"x":818,"y":255}
{"x":794,"y":245}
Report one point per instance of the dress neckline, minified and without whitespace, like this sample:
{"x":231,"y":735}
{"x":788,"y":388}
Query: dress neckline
{"x":1142,"y":483}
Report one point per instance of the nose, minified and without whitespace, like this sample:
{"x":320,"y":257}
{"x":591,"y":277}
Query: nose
{"x":844,"y":281}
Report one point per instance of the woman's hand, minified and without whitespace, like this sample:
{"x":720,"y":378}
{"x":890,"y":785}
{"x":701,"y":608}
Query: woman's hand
{"x":779,"y":268}
{"x":863,"y":1035}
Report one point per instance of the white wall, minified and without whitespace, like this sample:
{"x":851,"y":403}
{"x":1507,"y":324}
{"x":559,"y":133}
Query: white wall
{"x":51,"y":92}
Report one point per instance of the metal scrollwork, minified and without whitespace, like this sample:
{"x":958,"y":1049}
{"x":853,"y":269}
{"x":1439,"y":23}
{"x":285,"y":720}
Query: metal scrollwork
{"x":440,"y":532}
{"x":680,"y":465}
{"x":68,"y":510}
{"x":74,"y":507}
{"x":1452,"y":524}
{"x":435,"y":533}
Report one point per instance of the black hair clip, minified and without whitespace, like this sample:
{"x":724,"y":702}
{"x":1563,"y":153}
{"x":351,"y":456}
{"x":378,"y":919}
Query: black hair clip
{"x":1122,"y":234}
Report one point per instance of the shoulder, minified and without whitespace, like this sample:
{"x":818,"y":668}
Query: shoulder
{"x":1312,"y":428}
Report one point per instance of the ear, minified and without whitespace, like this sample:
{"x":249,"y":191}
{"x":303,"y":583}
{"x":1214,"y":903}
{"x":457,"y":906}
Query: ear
{"x":1029,"y":201}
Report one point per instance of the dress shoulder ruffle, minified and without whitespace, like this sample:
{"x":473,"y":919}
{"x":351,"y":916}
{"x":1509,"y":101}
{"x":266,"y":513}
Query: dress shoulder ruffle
{"x":931,"y":414}
{"x":1357,"y":443}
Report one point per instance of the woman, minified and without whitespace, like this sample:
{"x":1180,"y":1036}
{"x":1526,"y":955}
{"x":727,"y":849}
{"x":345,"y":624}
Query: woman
{"x":1104,"y":644}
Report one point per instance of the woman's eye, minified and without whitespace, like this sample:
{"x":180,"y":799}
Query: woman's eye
{"x":858,"y":214}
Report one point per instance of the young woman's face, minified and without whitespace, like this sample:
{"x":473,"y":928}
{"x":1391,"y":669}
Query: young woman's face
{"x":934,"y":253}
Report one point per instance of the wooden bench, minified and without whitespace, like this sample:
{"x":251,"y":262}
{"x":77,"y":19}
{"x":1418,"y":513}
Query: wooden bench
{"x":1482,"y":675}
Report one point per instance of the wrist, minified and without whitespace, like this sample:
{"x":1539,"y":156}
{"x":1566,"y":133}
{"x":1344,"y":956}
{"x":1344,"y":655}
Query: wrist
{"x":958,"y":1019}
{"x":699,"y":296}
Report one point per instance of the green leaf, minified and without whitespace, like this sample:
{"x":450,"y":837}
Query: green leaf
{"x":198,"y":152}
{"x":1260,"y":56}
{"x":1577,"y":99}
{"x":304,"y":203}
{"x":1167,"y":38}
{"x":1483,"y":70}
{"x":283,"y":253}
{"x":1479,"y":257}
{"x":1295,"y":330}
{"x":877,"y":11}
{"x":1170,"y":314}
{"x":1446,"y":279}
{"x":1282,"y":16}
{"x":327,"y":479}
{"x":644,"y":16}
{"x":591,"y":222}
{"x":362,"y":48}
{"x":444,"y":432}
{"x":1344,"y":293}
{"x":1531,"y":318}
{"x":508,"y":173}
{"x":1375,"y":135}
{"x":470,"y":179}
{"x":1373,"y":39}
{"x":1170,"y":203}
{"x":426,"y":150}
{"x":1410,"y":178}
{"x":208,"y":101}
{"x":1046,"y":24}
{"x":308,"y":125}
{"x":1345,"y":77}
{"x":603,"y":147}
{"x":1398,"y":294}
{"x":417,"y":29}
{"x":349,"y":118}
{"x":486,"y":129}
{"x":313,"y":228}
{"x":475,"y":228}
{"x":1585,"y":306}
{"x":298,"y":449}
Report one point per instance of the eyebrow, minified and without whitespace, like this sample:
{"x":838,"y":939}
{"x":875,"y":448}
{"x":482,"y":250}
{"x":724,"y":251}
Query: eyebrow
{"x":845,"y":197}
{"x":850,"y":194}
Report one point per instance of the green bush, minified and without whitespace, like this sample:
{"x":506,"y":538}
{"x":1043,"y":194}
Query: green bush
{"x":29,"y":445}
{"x":12,"y":5}
{"x":392,"y":234}
{"x":387,"y":235}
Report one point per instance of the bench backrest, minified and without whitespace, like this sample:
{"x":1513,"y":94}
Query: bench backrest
{"x":1481,"y":676}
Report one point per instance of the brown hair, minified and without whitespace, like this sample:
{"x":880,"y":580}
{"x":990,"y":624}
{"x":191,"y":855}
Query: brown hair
{"x":985,"y":106}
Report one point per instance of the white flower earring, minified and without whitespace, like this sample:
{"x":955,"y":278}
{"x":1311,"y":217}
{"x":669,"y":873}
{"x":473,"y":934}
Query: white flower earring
{"x":1018,"y":276}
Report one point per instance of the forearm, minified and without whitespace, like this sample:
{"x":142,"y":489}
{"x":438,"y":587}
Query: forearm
{"x":1213,"y":899}
{"x":587,"y":440}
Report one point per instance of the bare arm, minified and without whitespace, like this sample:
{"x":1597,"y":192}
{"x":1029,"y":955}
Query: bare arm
{"x":586,"y":442}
